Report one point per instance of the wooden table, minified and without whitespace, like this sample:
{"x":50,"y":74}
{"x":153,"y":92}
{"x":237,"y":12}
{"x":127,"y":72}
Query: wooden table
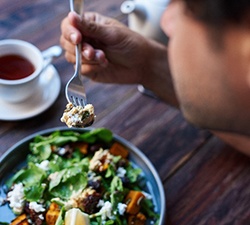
{"x":205,"y":181}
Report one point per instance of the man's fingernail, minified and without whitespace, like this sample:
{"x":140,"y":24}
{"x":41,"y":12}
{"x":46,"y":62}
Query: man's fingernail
{"x":86,"y":54}
{"x":73,"y":38}
{"x":97,"y":55}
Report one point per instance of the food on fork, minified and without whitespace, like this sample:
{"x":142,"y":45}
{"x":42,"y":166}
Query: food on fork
{"x":78,"y":116}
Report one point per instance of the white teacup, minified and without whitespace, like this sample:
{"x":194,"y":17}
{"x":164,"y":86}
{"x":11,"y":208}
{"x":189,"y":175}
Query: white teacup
{"x":18,"y":89}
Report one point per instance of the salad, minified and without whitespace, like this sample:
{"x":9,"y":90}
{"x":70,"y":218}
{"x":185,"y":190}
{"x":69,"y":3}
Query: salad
{"x":76,"y":178}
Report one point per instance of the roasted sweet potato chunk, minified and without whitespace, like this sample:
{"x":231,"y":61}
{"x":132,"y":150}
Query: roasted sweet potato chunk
{"x":52,"y":214}
{"x":138,"y":219}
{"x":117,"y":149}
{"x":132,"y":200}
{"x":20,"y":220}
{"x":83,"y":147}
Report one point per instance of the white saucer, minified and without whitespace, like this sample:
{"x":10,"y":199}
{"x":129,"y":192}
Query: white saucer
{"x":47,"y":93}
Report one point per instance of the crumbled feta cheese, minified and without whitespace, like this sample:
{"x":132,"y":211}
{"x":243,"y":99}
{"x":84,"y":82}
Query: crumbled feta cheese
{"x":44,"y":165}
{"x":106,"y":211}
{"x":93,"y":176}
{"x":41,"y":217}
{"x":121,"y":208}
{"x":100,"y":203}
{"x":62,"y":151}
{"x":121,"y":172}
{"x":16,"y":198}
{"x":36,"y":207}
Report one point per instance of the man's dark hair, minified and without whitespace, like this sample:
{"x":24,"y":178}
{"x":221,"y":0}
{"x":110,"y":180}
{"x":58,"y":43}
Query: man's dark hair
{"x":219,"y":13}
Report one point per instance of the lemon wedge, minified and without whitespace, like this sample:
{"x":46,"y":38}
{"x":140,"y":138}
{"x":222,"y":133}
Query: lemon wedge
{"x":75,"y":216}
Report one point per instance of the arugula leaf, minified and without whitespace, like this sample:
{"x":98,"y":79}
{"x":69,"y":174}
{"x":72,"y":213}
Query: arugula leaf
{"x":66,"y":181}
{"x":133,"y":173}
{"x":56,"y":179}
{"x":116,"y":184}
{"x":41,"y":146}
{"x":109,"y":222}
{"x":56,"y":163}
{"x":103,"y":134}
{"x":71,"y":172}
{"x":65,"y":189}
{"x":111,"y":172}
{"x":43,"y":152}
{"x":99,"y":134}
{"x":35,"y":192}
{"x":30,"y":176}
{"x":14,"y":178}
{"x":116,"y":189}
{"x":62,"y":140}
{"x":147,"y":208}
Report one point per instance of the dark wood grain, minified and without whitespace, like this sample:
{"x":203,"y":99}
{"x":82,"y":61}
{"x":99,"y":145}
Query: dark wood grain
{"x":211,"y":188}
{"x":206,"y":182}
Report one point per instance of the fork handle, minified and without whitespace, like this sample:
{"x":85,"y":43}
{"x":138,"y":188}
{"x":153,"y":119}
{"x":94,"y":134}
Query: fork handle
{"x":77,"y":6}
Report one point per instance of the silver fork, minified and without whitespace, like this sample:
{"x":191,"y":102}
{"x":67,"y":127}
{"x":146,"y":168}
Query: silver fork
{"x":74,"y":89}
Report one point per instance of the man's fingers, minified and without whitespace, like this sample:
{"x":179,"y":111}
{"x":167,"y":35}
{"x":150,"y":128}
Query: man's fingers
{"x":69,"y":29}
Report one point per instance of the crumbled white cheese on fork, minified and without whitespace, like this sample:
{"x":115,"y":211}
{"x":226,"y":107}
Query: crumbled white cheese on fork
{"x":78,"y":116}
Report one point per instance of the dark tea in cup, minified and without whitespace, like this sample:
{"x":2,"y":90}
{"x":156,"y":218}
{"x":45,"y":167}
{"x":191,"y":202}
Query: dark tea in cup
{"x":21,"y":64}
{"x":14,"y":67}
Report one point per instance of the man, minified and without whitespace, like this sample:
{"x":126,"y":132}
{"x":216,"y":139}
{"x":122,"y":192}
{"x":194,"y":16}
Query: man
{"x":204,"y":70}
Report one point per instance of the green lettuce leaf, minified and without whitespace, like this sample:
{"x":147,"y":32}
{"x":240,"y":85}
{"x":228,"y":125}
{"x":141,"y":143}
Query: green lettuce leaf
{"x":35,"y":192}
{"x":30,"y":176}
{"x":73,"y":184}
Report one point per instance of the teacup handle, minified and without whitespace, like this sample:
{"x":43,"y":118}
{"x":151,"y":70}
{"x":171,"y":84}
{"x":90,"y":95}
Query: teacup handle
{"x":50,"y":53}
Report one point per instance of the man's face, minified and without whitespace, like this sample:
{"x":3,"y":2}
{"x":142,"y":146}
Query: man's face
{"x":209,"y":82}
